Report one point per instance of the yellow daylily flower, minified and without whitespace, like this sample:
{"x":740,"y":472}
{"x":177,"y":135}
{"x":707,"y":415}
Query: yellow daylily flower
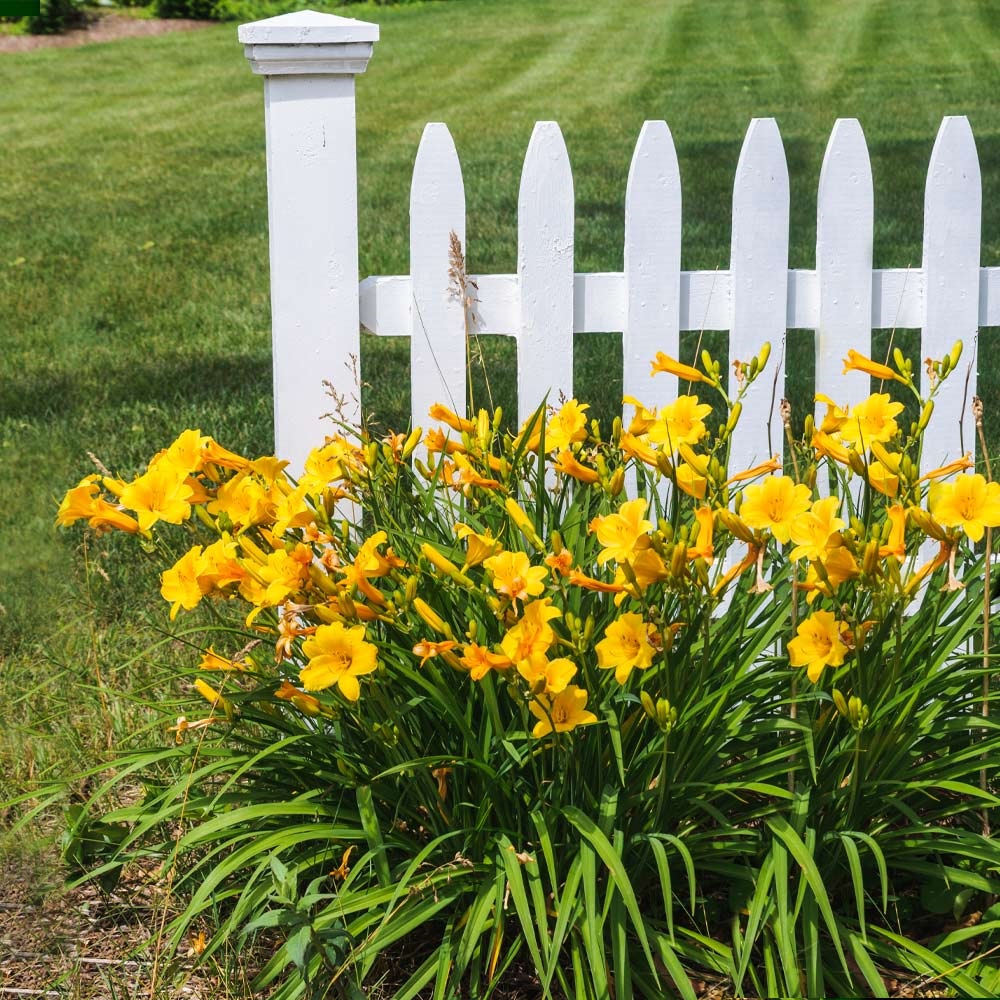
{"x":855,"y":362}
{"x":817,"y":644}
{"x":969,"y":503}
{"x":622,"y":533}
{"x":515,"y":577}
{"x":774,"y":504}
{"x":338,"y":655}
{"x":567,"y":425}
{"x":554,"y":674}
{"x":160,"y":494}
{"x":812,"y":529}
{"x":561,"y":713}
{"x":681,"y":422}
{"x":872,"y":420}
{"x":625,"y":647}
{"x":664,"y":363}
{"x":533,"y":633}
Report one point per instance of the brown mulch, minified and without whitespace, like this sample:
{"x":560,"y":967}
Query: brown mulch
{"x":107,"y":28}
{"x":84,"y":944}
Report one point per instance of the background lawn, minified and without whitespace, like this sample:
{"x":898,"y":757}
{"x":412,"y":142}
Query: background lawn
{"x":133,"y":248}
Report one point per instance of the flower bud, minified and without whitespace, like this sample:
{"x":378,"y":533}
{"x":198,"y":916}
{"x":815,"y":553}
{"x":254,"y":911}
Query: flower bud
{"x":765,"y":353}
{"x":664,"y":464}
{"x":870,"y":559}
{"x":412,"y":441}
{"x":955,"y":354}
{"x":856,"y":462}
{"x":648,"y":705}
{"x":841,"y":702}
{"x":617,"y":481}
{"x":678,"y":560}
{"x":899,"y":360}
{"x":925,"y":415}
{"x":430,"y":617}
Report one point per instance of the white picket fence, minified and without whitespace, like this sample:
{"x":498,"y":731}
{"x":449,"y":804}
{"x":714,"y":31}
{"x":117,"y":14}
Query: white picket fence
{"x":309,"y":61}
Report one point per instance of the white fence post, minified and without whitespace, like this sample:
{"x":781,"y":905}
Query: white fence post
{"x":309,"y":61}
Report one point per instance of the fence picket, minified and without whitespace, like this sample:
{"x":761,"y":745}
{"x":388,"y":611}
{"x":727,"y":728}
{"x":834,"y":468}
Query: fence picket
{"x":844,"y":225}
{"x":437,"y":313}
{"x":759,"y":267}
{"x":652,"y":264}
{"x":952,"y":222}
{"x":545,"y":208}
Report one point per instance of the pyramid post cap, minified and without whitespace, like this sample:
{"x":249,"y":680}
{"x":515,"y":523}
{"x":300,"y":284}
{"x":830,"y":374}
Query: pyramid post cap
{"x":307,"y":27}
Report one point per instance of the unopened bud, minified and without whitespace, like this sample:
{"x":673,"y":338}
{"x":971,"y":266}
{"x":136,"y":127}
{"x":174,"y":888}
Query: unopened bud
{"x":678,"y":560}
{"x":617,"y":481}
{"x":856,"y":462}
{"x":765,"y":353}
{"x":664,"y":464}
{"x":925,"y":415}
{"x":841,"y":702}
{"x":955,"y":354}
{"x":870,"y":558}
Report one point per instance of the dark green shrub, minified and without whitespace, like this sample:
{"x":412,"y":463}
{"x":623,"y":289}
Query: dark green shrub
{"x":57,"y":16}
{"x":202,"y":10}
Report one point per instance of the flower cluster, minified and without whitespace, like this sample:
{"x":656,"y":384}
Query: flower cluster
{"x":565,"y":594}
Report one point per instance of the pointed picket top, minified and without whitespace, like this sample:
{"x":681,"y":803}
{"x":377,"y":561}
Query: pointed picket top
{"x":652,"y":264}
{"x":759,"y":267}
{"x":545,"y":210}
{"x":437,"y":312}
{"x":844,"y":236}
{"x":952,"y":227}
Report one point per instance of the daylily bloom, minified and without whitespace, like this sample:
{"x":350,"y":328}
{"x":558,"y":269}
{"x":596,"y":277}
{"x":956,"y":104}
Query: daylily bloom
{"x":479,"y":661}
{"x":634,"y":447}
{"x":774,"y":504}
{"x":855,"y":362}
{"x":160,"y":494}
{"x":561,"y":713}
{"x":622,"y":533}
{"x":181,"y":586}
{"x":829,"y":447}
{"x":970,"y":502}
{"x":533,"y":633}
{"x":625,"y":647}
{"x":338,"y":655}
{"x":812,"y":529}
{"x":425,"y":649}
{"x":567,"y":464}
{"x":555,"y":674}
{"x":681,"y":422}
{"x":817,"y":644}
{"x":515,"y":577}
{"x":872,"y":420}
{"x":835,"y":416}
{"x":664,"y":363}
{"x":478,"y":546}
{"x":567,"y":424}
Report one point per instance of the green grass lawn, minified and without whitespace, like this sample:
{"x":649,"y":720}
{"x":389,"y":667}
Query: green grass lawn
{"x":133,"y":244}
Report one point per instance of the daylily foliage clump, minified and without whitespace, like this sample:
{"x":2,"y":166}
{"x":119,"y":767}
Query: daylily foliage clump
{"x":589,"y":699}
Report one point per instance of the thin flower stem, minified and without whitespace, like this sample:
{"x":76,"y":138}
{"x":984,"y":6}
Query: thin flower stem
{"x":977,"y":411}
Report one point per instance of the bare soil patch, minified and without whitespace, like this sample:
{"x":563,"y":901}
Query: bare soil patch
{"x":107,"y":28}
